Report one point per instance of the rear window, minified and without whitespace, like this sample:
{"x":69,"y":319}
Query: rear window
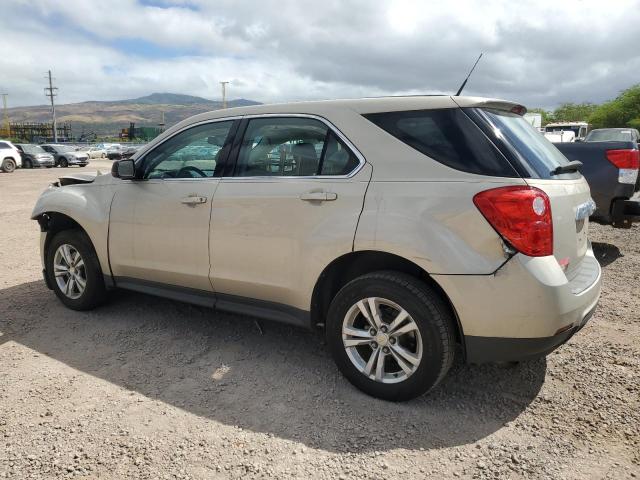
{"x":448,"y":136}
{"x":522,"y":143}
{"x":610,"y":136}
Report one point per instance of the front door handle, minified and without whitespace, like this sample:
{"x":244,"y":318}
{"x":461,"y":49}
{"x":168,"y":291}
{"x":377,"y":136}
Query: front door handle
{"x":193,"y":200}
{"x":318,"y":196}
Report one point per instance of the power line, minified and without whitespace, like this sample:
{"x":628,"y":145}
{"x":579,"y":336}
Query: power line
{"x":50,"y":92}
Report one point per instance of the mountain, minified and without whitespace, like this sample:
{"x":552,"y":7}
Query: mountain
{"x":109,"y":117}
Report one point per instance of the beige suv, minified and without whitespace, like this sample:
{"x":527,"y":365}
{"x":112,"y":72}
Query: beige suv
{"x":399,"y":227}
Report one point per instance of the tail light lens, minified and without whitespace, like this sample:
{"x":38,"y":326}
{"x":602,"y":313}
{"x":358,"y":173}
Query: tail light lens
{"x":521,"y":215}
{"x":627,"y":159}
{"x":628,"y":162}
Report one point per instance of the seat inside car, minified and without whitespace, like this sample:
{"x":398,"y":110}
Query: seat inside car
{"x":306,"y":158}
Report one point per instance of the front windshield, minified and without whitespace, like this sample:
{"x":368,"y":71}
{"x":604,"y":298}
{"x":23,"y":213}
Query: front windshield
{"x":609,"y":136}
{"x":535,"y":151}
{"x":66,"y":148}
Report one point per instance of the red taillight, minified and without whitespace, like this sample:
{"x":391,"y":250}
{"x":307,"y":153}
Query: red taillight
{"x":521,"y":215}
{"x":628,"y":159}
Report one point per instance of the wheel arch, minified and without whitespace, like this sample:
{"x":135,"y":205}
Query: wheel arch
{"x":354,"y":264}
{"x":55,"y":222}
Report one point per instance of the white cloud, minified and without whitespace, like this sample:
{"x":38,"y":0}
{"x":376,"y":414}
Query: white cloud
{"x":539,"y":53}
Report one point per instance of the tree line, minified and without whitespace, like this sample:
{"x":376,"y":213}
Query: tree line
{"x":623,"y":111}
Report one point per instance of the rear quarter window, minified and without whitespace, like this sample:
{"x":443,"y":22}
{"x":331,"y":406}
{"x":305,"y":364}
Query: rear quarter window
{"x":448,"y":136}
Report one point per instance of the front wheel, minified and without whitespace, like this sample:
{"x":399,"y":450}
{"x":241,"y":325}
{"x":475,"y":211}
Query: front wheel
{"x":64,"y":163}
{"x":74,"y":270}
{"x":8,"y":165}
{"x":391,"y":335}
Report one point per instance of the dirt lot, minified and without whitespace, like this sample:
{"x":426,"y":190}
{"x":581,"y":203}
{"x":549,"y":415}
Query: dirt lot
{"x":150,"y":388}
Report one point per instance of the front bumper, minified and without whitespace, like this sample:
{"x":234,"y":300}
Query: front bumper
{"x":525,"y":309}
{"x":78,"y":161}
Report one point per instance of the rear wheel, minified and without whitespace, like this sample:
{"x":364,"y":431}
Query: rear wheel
{"x":8,"y":165}
{"x":74,"y":270}
{"x":391,"y":335}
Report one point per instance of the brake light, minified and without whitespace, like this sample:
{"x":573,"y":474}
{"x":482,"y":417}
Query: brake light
{"x":627,"y":159}
{"x":521,"y":215}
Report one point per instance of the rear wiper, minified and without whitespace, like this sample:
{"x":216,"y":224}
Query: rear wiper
{"x":570,"y":167}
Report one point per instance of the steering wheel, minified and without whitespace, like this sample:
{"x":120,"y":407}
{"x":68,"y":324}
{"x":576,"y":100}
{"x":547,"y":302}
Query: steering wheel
{"x":190,"y":168}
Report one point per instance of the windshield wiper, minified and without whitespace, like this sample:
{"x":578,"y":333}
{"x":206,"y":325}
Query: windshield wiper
{"x":570,"y":167}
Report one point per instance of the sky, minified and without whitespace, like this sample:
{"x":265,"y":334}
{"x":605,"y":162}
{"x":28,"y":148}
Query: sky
{"x":539,"y":53}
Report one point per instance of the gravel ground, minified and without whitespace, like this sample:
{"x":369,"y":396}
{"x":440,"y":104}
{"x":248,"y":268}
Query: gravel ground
{"x":150,"y":388}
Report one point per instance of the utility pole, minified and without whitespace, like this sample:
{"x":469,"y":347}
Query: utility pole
{"x":6,"y":128}
{"x":50,"y":92}
{"x":224,"y":94}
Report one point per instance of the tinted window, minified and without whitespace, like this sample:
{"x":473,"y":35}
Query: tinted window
{"x":447,"y":136}
{"x":4,"y":145}
{"x":537,"y":154}
{"x":292,"y":147}
{"x":193,"y":153}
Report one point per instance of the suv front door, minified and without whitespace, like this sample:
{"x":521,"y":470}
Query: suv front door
{"x":159,"y":223}
{"x":287,"y":208}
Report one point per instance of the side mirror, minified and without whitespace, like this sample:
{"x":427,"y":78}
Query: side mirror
{"x":124,"y":169}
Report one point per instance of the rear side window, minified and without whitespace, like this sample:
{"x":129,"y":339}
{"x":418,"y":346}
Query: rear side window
{"x":520,"y":141}
{"x":4,"y":145}
{"x":292,"y":147}
{"x":448,"y":136}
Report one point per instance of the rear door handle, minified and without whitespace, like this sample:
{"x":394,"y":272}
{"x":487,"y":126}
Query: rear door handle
{"x":318,"y":196}
{"x":193,"y":200}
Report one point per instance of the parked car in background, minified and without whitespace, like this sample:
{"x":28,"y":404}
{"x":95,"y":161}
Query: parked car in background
{"x":34,"y":156}
{"x":579,"y":129}
{"x":10,"y":157}
{"x":613,"y":135}
{"x":128,"y":151}
{"x":397,"y":226}
{"x":66,"y":155}
{"x":114,"y":151}
{"x":611,"y":168}
{"x":95,"y":152}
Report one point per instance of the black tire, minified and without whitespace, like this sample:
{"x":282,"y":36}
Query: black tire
{"x":27,"y":164}
{"x":95,"y":292}
{"x":427,"y":309}
{"x":8,"y":165}
{"x":63,"y":162}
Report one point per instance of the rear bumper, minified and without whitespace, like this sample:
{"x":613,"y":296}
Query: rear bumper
{"x":625,"y":212}
{"x":525,"y":309}
{"x":494,"y":349}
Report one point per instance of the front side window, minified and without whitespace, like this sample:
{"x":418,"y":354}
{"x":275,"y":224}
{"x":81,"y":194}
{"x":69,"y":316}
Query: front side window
{"x":292,"y":147}
{"x":192,"y":153}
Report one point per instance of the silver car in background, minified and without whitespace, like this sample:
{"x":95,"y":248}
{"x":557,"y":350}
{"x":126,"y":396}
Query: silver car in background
{"x":403,"y":229}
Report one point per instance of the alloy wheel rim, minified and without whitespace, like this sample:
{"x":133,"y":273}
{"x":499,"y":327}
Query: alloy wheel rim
{"x":382,"y":340}
{"x":70,"y":271}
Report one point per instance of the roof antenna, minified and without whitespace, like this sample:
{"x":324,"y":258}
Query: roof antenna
{"x":465,"y":80}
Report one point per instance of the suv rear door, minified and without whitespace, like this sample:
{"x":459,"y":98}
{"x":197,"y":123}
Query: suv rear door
{"x":287,"y":206}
